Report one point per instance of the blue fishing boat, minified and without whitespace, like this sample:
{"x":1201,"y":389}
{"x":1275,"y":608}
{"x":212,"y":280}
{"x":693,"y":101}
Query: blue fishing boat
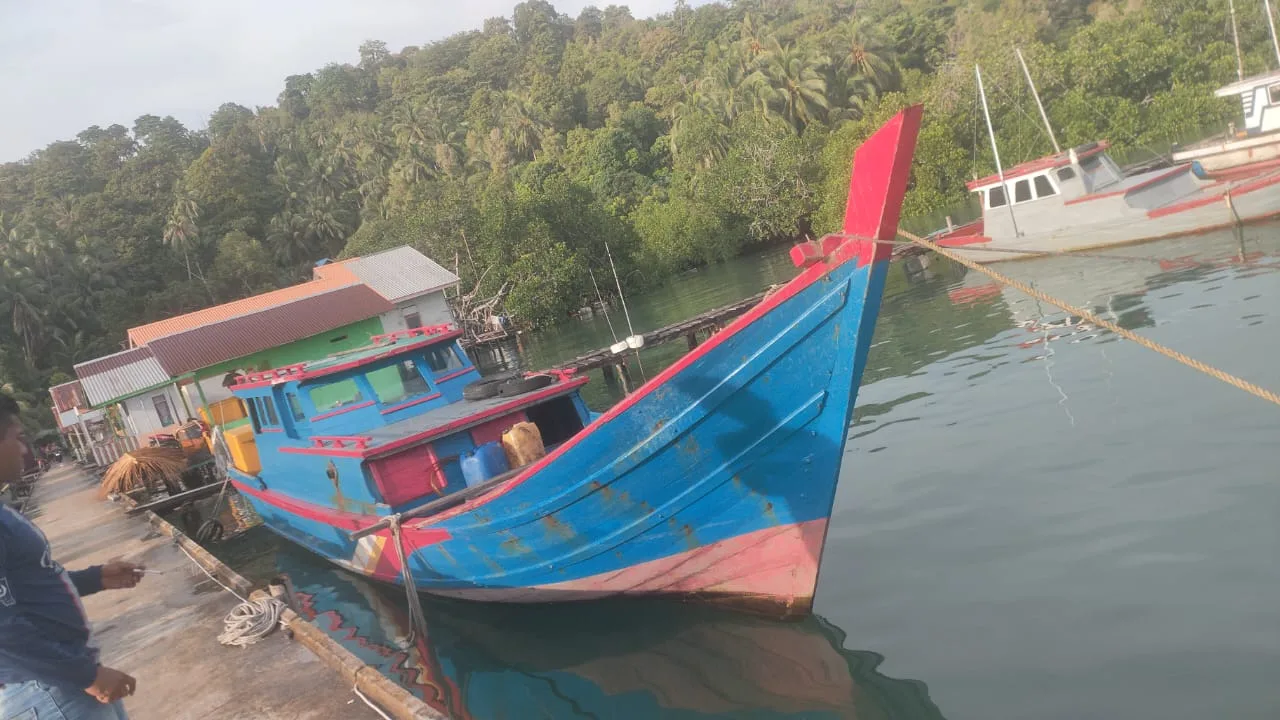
{"x":714,"y":481}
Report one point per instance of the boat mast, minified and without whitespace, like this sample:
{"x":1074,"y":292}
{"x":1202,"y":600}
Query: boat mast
{"x":1043,"y":116}
{"x":1271,"y":23}
{"x":986,"y":113}
{"x":1235,"y":37}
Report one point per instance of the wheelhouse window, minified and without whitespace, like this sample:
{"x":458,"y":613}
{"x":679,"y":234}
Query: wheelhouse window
{"x":396,"y":382}
{"x":263,"y":413}
{"x":1065,"y":174}
{"x":272,"y":418}
{"x":1273,"y":94}
{"x":1044,"y":186}
{"x":335,"y":395}
{"x":1022,"y":191}
{"x":295,"y":407}
{"x":442,"y":359}
{"x":996,"y":197}
{"x":412,"y":319}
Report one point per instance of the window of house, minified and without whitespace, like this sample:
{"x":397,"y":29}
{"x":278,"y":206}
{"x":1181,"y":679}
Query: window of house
{"x":1044,"y":188}
{"x":412,"y":319}
{"x":443,"y":359}
{"x":1273,"y":94}
{"x":162,"y":410}
{"x":995,"y":197}
{"x":396,"y":382}
{"x":1022,"y":191}
{"x":327,"y":398}
{"x":295,"y":406}
{"x":1066,"y":173}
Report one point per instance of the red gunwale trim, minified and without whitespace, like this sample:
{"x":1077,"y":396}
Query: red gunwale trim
{"x":391,"y":350}
{"x":411,"y":403}
{"x":457,"y":374}
{"x":1241,"y":189}
{"x":326,"y":451}
{"x":335,"y":518}
{"x":1140,"y":186}
{"x":1033,"y":166}
{"x":862,"y":251}
{"x":340,"y":411}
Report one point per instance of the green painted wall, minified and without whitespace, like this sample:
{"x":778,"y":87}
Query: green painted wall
{"x":315,"y":347}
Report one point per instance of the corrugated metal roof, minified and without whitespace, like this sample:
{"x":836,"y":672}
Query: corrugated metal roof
{"x":397,"y":274}
{"x":120,"y":375}
{"x":68,"y":395}
{"x":181,"y":323}
{"x":213,"y":343}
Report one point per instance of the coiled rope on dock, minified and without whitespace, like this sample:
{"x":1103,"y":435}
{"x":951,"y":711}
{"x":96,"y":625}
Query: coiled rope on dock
{"x":248,"y":622}
{"x":1211,"y":371}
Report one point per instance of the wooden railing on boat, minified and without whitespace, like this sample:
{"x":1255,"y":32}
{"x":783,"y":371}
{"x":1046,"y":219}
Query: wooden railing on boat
{"x":440,"y":504}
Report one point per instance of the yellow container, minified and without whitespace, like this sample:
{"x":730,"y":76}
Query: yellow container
{"x":244,"y":451}
{"x":523,"y":444}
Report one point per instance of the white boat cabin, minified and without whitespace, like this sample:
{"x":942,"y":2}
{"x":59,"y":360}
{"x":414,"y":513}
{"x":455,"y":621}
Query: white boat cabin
{"x":1260,"y":100}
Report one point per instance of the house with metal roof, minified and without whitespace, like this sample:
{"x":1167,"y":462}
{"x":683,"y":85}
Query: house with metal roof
{"x":180,"y":367}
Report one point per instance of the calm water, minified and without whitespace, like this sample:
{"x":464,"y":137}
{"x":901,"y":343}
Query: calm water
{"x":1077,"y":528}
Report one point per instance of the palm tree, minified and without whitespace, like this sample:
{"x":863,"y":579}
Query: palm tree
{"x":866,"y":54}
{"x":795,"y":84}
{"x":180,"y":229}
{"x":324,"y":230}
{"x":288,"y":237}
{"x":522,"y":125}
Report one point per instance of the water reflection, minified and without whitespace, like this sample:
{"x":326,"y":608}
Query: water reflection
{"x":603,"y":659}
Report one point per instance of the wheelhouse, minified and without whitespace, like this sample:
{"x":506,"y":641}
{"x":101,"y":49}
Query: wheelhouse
{"x":387,"y":426}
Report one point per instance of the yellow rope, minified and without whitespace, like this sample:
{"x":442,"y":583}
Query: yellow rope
{"x":1168,"y":352}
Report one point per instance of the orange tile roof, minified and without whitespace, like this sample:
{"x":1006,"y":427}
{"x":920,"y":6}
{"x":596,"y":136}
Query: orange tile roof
{"x":144,"y":334}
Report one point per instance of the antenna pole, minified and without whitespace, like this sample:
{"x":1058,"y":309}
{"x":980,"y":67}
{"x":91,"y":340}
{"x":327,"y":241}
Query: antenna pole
{"x":603,"y":307}
{"x":1235,"y":38}
{"x":1271,"y":23}
{"x":1043,"y":115}
{"x":986,"y":113}
{"x":621,"y":297}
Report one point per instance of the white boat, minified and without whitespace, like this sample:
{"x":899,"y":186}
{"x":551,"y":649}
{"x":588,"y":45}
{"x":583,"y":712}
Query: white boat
{"x":1080,"y":199}
{"x":1252,"y":148}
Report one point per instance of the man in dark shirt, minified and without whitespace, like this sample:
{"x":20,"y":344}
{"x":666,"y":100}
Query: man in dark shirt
{"x":48,"y":669}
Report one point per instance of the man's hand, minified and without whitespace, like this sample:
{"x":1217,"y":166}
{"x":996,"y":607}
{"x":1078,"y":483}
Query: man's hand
{"x":111,"y":685}
{"x":119,"y":574}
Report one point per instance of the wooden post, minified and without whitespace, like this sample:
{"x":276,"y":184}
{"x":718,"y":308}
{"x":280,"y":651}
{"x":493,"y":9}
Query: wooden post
{"x":692,"y":338}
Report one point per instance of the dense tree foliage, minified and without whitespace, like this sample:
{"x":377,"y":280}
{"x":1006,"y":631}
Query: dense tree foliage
{"x":515,"y":152}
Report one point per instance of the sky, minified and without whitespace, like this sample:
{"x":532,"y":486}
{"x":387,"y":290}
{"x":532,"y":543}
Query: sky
{"x":69,"y":64}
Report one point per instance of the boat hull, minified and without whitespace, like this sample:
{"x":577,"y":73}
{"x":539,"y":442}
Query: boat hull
{"x":717,"y":487}
{"x":714,"y":481}
{"x":1215,"y":207}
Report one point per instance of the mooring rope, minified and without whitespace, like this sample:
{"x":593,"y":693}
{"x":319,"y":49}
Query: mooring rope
{"x":416,"y":618}
{"x":1033,"y":254}
{"x":248,"y":622}
{"x":1211,"y":371}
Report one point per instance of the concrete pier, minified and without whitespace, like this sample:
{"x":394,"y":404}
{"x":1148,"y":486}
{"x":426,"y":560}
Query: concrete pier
{"x":164,"y":632}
